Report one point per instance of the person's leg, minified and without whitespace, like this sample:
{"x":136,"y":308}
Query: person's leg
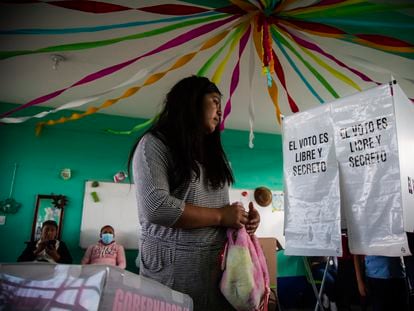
{"x":378,"y":293}
{"x":397,"y":297}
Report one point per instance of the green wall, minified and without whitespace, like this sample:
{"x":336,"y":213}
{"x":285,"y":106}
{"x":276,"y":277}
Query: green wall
{"x":93,"y":154}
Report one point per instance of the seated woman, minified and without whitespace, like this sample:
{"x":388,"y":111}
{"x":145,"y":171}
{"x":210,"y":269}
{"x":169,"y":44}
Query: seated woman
{"x":106,"y":251}
{"x":47,"y":248}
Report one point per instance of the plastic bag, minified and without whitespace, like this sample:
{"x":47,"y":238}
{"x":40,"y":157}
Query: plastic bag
{"x":245,"y":280}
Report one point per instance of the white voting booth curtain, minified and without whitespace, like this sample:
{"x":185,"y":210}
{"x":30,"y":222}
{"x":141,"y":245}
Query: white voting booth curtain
{"x":312,"y":201}
{"x":362,"y":142}
{"x":367,"y":152}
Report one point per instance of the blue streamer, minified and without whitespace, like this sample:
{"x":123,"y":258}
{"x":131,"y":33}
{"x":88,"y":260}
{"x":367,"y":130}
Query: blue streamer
{"x":64,"y":31}
{"x":310,"y":88}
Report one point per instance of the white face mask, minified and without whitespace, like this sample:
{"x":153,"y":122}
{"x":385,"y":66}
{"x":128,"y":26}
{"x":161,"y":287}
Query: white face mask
{"x":107,"y":238}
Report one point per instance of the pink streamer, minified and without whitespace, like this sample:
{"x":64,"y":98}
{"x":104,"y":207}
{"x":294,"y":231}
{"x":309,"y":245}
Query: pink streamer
{"x":314,"y":47}
{"x":190,"y":35}
{"x":235,"y":76}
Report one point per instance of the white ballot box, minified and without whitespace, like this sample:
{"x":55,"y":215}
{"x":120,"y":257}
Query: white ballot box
{"x":43,"y":286}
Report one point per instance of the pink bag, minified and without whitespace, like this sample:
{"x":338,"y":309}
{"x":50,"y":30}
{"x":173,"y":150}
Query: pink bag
{"x":245,"y":280}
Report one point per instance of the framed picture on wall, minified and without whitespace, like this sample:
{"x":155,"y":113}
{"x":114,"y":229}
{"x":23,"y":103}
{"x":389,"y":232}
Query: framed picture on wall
{"x":48,"y":207}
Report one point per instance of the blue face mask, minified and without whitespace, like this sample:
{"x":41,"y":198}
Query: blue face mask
{"x":107,"y":238}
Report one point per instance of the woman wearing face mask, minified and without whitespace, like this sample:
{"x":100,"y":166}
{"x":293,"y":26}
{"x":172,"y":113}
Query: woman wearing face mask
{"x":106,"y":251}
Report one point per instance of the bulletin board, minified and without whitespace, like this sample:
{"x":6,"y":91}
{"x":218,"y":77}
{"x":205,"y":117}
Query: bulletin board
{"x":116,"y":206}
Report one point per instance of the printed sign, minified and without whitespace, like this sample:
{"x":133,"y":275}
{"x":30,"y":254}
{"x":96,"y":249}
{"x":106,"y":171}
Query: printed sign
{"x":312,"y":200}
{"x":367,"y":152}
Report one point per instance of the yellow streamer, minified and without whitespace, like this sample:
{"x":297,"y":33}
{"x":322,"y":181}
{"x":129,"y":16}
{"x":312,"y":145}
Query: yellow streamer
{"x":322,"y":34}
{"x":131,"y":91}
{"x":321,"y":8}
{"x":220,"y":69}
{"x":273,"y":95}
{"x":244,"y":5}
{"x":400,"y":49}
{"x":334,"y":72}
{"x":283,"y":5}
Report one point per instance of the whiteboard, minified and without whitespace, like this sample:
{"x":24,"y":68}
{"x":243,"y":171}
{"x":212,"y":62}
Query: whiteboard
{"x":117,"y":207}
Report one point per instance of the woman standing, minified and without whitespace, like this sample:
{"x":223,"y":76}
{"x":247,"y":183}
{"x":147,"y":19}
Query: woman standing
{"x":182,"y":176}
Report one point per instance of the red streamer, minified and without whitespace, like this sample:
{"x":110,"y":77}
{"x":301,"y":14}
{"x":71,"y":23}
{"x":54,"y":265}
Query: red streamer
{"x":384,"y":40}
{"x":173,"y":9}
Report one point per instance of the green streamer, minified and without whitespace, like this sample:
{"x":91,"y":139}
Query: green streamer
{"x":317,"y":75}
{"x":95,"y":44}
{"x":213,"y":58}
{"x":350,"y":10}
{"x":210,"y":3}
{"x":136,"y":128}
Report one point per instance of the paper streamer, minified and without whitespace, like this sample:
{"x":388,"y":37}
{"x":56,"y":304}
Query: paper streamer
{"x":281,"y":76}
{"x":80,"y":102}
{"x":152,"y":79}
{"x":95,"y":44}
{"x":65,"y":31}
{"x":188,"y":36}
{"x":320,"y":62}
{"x":251,"y":103}
{"x":235,"y":76}
{"x":299,"y":73}
{"x":318,"y":76}
{"x":220,"y":69}
{"x":299,"y":39}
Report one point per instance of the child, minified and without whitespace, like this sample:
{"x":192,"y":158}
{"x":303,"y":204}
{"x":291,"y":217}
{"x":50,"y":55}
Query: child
{"x":106,"y":251}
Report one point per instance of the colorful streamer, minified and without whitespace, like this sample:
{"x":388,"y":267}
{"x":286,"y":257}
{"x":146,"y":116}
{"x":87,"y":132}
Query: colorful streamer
{"x":110,"y":70}
{"x":131,"y":91}
{"x":96,"y":44}
{"x":235,"y":76}
{"x":281,"y":32}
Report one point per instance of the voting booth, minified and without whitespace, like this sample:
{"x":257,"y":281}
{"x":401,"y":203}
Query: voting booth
{"x":349,"y":163}
{"x":44,"y":286}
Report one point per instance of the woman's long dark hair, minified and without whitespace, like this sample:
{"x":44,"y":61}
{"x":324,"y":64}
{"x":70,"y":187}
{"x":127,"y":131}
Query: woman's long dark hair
{"x":180,"y":126}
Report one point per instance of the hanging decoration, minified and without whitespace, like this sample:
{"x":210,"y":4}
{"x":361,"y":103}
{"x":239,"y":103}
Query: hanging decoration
{"x":59,"y":201}
{"x":10,"y":205}
{"x":282,"y":34}
{"x":120,"y":176}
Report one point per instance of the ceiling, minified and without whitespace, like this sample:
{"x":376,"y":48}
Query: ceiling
{"x":31,"y":73}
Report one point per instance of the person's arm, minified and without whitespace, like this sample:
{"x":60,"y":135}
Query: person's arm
{"x":232,"y":215}
{"x":87,"y":256}
{"x":359,"y":275}
{"x":64,"y":254}
{"x":28,"y":253}
{"x":120,"y":257}
{"x":158,"y":206}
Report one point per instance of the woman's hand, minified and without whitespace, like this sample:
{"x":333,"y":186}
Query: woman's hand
{"x":253,"y":219}
{"x":52,"y":252}
{"x":40,"y":247}
{"x":233,"y":216}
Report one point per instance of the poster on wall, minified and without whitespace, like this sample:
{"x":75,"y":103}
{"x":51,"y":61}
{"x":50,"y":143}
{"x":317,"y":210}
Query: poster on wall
{"x":311,"y":185}
{"x":367,"y":152}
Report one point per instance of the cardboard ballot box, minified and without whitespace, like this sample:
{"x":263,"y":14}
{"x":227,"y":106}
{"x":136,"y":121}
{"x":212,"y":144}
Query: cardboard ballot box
{"x":43,"y":286}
